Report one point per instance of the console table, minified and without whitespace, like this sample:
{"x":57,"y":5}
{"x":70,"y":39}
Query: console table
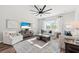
{"x":71,"y":48}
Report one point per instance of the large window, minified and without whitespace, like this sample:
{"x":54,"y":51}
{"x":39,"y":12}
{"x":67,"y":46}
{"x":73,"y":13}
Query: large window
{"x":49,"y":25}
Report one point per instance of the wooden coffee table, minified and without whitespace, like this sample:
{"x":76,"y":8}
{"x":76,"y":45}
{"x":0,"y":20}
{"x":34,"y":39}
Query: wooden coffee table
{"x":44,"y":38}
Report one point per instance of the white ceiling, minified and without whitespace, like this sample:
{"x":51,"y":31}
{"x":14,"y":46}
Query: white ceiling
{"x":25,"y":9}
{"x":58,"y":9}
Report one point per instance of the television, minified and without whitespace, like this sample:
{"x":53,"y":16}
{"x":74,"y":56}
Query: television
{"x":67,"y":33}
{"x":25,"y":25}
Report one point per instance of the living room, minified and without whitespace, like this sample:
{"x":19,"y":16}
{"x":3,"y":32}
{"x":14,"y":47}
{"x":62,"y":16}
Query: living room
{"x":59,"y":20}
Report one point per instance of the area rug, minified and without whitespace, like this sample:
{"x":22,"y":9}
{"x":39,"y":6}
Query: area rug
{"x":38,"y":43}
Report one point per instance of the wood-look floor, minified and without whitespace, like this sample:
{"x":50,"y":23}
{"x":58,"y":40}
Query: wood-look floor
{"x":5,"y":48}
{"x":62,"y":50}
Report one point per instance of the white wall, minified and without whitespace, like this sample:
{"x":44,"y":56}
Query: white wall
{"x":77,"y":14}
{"x":1,"y":28}
{"x":66,"y":19}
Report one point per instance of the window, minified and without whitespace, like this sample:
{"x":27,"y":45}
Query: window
{"x":49,"y":25}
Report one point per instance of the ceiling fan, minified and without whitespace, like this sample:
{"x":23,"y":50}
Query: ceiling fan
{"x":40,"y":11}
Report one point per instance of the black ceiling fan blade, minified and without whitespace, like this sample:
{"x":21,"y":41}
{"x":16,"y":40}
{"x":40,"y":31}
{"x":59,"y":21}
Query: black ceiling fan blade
{"x":40,"y":14}
{"x":33,"y":13}
{"x":36,"y":14}
{"x":43,"y":7}
{"x":47,"y":13}
{"x":36,"y":7}
{"x":33,"y":10}
{"x":47,"y":10}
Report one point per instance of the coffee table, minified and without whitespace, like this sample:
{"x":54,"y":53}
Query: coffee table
{"x":44,"y":38}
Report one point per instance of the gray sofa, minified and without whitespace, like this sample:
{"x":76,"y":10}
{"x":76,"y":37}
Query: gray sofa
{"x":26,"y":33}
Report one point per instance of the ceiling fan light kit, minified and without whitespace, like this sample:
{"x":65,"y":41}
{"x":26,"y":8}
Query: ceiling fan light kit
{"x":40,"y":11}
